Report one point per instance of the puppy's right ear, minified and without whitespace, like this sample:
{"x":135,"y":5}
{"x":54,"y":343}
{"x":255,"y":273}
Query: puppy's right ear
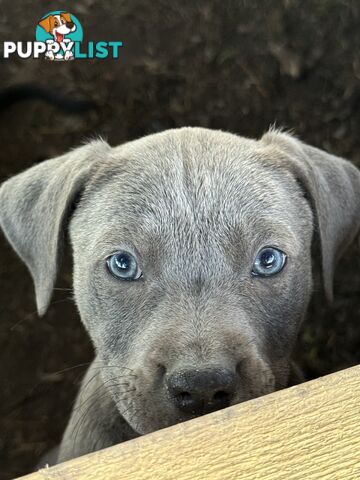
{"x":67,"y":16}
{"x":46,"y":24}
{"x":35,"y":207}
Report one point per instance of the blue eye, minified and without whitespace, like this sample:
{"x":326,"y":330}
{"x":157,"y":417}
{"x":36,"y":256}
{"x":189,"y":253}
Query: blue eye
{"x":269,"y":261}
{"x":123,"y":265}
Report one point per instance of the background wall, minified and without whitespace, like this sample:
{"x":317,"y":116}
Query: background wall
{"x":235,"y":65}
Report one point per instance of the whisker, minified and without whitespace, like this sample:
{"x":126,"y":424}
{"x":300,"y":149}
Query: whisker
{"x":82,"y":418}
{"x":108,"y":383}
{"x":67,"y":369}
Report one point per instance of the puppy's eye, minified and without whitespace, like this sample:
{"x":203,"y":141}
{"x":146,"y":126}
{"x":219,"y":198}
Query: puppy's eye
{"x":123,"y":265}
{"x":269,"y":261}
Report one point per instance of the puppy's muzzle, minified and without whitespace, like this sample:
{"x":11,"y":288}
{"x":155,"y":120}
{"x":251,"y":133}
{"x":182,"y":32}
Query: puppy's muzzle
{"x":201,"y":391}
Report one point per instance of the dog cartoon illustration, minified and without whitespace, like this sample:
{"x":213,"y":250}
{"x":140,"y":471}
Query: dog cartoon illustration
{"x":58,"y":26}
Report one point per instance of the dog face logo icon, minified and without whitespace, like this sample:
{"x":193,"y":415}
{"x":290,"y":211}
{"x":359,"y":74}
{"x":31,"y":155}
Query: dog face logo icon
{"x":59,"y":30}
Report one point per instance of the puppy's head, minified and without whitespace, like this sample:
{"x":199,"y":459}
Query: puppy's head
{"x":192,"y":258}
{"x":58,"y":25}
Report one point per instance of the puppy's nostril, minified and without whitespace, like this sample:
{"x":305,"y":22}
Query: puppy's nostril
{"x":221,"y":399}
{"x":183,"y":396}
{"x":221,"y":395}
{"x":185,"y":400}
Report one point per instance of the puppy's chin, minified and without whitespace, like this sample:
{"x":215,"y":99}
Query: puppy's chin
{"x":144,"y":422}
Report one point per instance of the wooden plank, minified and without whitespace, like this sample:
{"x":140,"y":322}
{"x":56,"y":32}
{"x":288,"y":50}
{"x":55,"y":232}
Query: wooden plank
{"x":308,"y":432}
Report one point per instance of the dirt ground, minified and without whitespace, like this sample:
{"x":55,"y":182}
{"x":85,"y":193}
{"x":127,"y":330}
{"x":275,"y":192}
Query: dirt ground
{"x":235,"y":65}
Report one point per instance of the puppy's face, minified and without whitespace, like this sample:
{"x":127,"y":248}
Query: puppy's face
{"x":58,"y":25}
{"x":194,"y":256}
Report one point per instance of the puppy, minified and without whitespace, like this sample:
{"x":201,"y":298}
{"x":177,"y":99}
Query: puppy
{"x":192,"y":266}
{"x":58,"y":26}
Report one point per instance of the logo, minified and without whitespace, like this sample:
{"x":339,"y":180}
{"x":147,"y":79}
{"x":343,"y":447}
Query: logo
{"x":59,"y":31}
{"x":59,"y":37}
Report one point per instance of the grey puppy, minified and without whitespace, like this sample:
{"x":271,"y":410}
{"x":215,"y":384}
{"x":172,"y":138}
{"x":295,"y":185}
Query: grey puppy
{"x":192,"y":257}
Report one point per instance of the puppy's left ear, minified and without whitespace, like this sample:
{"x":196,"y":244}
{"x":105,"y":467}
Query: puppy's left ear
{"x":332,"y":185}
{"x":35,"y":208}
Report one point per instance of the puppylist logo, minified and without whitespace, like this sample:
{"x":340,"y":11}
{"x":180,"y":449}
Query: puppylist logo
{"x":59,"y":37}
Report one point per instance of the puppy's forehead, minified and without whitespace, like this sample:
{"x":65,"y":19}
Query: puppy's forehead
{"x":193,"y":180}
{"x":180,"y":150}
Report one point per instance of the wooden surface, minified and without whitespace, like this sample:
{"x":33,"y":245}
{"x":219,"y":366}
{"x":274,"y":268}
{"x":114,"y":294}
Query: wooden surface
{"x":308,"y":432}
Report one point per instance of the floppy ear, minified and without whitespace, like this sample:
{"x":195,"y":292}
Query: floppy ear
{"x":332,"y":185}
{"x":46,"y":24}
{"x":66,"y":16}
{"x":35,"y":207}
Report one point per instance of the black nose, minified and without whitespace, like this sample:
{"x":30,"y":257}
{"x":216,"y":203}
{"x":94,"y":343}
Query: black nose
{"x":201,"y":391}
{"x":69,"y":24}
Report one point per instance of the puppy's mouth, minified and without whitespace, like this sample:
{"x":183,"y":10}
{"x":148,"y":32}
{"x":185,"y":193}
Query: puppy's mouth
{"x":59,"y":37}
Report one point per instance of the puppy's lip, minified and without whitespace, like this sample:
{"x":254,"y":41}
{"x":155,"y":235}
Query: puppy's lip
{"x":59,"y":37}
